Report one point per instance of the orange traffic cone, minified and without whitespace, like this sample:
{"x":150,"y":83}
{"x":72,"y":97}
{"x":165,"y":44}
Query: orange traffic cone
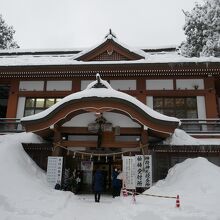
{"x":177,"y":201}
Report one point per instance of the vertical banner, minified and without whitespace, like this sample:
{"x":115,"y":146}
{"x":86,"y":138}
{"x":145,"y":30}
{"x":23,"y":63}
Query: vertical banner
{"x":143,"y":171}
{"x":129,"y":172}
{"x":54,"y":170}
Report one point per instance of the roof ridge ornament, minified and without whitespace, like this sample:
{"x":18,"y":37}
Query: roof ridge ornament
{"x":99,"y":83}
{"x":110,"y":34}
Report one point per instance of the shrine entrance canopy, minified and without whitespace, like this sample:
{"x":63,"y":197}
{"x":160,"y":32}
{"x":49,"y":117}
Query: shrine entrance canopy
{"x":100,"y":97}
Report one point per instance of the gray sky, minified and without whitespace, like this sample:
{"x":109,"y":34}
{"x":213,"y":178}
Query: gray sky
{"x":84,"y":23}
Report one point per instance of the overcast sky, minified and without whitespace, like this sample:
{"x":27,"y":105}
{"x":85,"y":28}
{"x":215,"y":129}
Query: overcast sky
{"x":84,"y":23}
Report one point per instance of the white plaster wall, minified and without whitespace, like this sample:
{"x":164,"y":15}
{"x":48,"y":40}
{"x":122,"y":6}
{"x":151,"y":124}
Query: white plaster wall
{"x":120,"y":120}
{"x":201,"y":107}
{"x":31,"y":86}
{"x":85,"y":83}
{"x":123,"y":84}
{"x":189,"y":83}
{"x":59,"y":85}
{"x":81,"y":120}
{"x":159,"y":84}
{"x":116,"y":119}
{"x":20,"y":107}
{"x":150,"y":102}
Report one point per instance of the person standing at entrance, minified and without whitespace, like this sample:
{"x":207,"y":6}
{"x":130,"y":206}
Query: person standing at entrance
{"x":115,"y":183}
{"x":98,"y":182}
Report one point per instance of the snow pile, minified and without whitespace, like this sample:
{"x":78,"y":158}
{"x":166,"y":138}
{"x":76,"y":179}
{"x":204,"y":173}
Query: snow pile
{"x":19,"y":165}
{"x":24,"y":189}
{"x":197,"y":182}
{"x":180,"y":137}
{"x":194,"y":176}
{"x":24,"y":193}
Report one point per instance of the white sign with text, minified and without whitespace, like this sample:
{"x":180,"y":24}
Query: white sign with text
{"x":54,"y":170}
{"x":143,"y":172}
{"x":129,"y":172}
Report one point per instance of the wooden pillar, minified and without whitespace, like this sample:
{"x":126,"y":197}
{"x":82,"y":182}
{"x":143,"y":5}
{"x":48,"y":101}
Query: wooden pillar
{"x":210,"y":98}
{"x":57,"y":138}
{"x":141,"y":90}
{"x":76,"y":85}
{"x":144,"y":142}
{"x":13,"y":99}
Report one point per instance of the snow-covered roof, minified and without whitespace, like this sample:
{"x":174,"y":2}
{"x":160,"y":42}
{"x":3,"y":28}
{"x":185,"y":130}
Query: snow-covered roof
{"x":98,"y":96}
{"x":20,"y":57}
{"x":112,"y":37}
{"x":107,"y":91}
{"x":68,"y":59}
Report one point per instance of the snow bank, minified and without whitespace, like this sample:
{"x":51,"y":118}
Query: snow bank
{"x":24,"y":193}
{"x":180,"y":137}
{"x":23,"y":187}
{"x":196,"y":175}
{"x":17,"y":170}
{"x":197,"y":182}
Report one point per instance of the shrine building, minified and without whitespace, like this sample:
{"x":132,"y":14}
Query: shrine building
{"x":110,"y":101}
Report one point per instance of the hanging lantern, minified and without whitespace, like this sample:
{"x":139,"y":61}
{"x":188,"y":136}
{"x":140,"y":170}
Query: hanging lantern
{"x":113,"y":157}
{"x":106,"y":159}
{"x":99,"y":158}
{"x":91,"y":157}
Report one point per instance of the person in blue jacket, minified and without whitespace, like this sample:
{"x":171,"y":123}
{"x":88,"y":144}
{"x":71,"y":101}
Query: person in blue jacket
{"x":116,"y":183}
{"x":98,"y":184}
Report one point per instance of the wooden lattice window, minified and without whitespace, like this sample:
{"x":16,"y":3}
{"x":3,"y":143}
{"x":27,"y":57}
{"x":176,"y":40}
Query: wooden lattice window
{"x":36,"y":105}
{"x":180,"y":107}
{"x":107,"y":56}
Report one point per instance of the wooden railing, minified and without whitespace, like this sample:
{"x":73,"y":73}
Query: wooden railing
{"x":201,"y":126}
{"x":10,"y":125}
{"x":192,"y":126}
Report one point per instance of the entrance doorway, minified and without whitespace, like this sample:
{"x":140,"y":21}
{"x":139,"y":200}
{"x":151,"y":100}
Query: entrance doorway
{"x":4,"y":91}
{"x":86,"y":170}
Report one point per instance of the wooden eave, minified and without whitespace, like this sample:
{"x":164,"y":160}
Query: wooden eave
{"x":112,"y":70}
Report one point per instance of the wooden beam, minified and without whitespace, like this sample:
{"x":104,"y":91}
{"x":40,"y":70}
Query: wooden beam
{"x":84,"y":130}
{"x":93,"y":144}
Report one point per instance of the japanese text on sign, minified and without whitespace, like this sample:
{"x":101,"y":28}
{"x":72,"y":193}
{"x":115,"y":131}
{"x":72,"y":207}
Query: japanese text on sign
{"x":143,"y":170}
{"x":54,"y":170}
{"x":129,"y":172}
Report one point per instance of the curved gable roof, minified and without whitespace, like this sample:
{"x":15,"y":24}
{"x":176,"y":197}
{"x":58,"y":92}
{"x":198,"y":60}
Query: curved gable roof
{"x":110,"y":50}
{"x":99,"y":95}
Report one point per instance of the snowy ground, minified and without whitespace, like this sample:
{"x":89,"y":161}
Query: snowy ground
{"x":25,"y":195}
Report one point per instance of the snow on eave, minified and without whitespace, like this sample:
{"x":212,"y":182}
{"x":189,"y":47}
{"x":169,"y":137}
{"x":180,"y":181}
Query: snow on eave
{"x":181,"y":138}
{"x":36,"y":50}
{"x":67,"y":59}
{"x":107,"y":92}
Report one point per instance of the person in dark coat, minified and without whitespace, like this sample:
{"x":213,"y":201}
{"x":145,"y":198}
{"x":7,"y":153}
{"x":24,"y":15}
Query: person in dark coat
{"x":98,"y":184}
{"x":58,"y":186}
{"x":116,"y":183}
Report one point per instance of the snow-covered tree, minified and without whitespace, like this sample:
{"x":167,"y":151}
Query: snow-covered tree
{"x":6,"y":36}
{"x":202,"y":30}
